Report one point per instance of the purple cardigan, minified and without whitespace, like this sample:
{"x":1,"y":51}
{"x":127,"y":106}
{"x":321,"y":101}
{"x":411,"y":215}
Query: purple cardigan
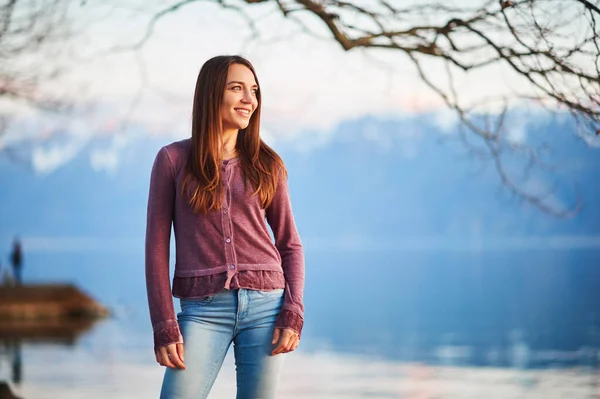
{"x":226,"y":249}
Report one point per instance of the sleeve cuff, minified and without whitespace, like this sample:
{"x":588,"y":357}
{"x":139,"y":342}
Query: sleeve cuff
{"x":167,"y":336}
{"x":291,"y":320}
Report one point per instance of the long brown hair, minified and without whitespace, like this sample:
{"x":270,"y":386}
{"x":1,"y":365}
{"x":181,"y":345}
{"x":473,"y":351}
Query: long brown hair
{"x":261,"y":166}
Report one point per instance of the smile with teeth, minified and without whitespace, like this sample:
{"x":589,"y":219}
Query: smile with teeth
{"x":243,"y":111}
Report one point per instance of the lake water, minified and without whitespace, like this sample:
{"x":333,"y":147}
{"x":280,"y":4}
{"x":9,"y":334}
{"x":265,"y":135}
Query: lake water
{"x":379,"y":324}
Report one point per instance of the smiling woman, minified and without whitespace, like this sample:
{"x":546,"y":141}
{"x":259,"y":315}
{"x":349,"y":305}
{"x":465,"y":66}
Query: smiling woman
{"x":239,"y":101}
{"x":219,"y":189}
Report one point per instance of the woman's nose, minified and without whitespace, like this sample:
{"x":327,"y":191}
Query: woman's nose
{"x":247,"y":97}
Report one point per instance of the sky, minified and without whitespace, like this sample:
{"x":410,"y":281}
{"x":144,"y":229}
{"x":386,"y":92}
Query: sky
{"x":307,"y":82}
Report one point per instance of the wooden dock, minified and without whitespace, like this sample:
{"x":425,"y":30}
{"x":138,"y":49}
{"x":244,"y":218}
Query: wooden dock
{"x":49,"y":310}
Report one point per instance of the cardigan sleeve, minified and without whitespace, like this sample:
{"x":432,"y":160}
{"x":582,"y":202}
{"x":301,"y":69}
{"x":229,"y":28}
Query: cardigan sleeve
{"x":160,"y":211}
{"x":287,"y":241}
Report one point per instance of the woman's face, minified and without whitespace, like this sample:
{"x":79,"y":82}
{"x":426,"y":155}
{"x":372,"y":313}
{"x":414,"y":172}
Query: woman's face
{"x":240,"y":98}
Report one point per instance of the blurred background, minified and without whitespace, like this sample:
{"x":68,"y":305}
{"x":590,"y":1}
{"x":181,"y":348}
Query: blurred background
{"x":442,"y":157}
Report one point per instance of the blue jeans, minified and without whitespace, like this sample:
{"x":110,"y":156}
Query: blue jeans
{"x":209,"y":326}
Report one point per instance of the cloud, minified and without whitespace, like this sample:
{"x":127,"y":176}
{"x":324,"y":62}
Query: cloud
{"x":47,"y":159}
{"x":58,"y":140}
{"x":446,"y":120}
{"x":108,"y":158}
{"x":517,"y":133}
{"x":104,"y":160}
{"x":50,"y":140}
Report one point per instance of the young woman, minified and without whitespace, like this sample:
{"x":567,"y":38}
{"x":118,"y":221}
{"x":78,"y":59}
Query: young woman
{"x":219,"y":189}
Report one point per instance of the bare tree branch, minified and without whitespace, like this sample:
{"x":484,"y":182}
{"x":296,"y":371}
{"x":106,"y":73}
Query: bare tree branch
{"x":552,"y":46}
{"x":533,"y":38}
{"x":30,"y":31}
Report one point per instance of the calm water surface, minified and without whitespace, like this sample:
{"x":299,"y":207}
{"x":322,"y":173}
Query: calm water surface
{"x":378,"y":325}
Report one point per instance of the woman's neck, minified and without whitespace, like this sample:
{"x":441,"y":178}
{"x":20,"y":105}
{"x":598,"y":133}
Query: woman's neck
{"x":228,"y":149}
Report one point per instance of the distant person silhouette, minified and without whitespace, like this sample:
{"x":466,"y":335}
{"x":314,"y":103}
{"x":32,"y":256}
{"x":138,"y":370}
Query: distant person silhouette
{"x":17,"y":261}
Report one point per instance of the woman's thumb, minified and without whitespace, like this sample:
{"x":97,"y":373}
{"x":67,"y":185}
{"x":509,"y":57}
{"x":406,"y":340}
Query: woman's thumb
{"x":180,"y":351}
{"x":276,"y":334}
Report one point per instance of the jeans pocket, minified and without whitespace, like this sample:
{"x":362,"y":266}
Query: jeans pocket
{"x":195,"y":302}
{"x":276,"y":293}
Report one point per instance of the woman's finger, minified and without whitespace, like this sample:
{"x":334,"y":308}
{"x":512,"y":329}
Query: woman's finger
{"x":164,"y":358}
{"x":276,"y":334}
{"x":174,"y":356}
{"x":180,"y":351}
{"x":284,"y":341}
{"x":160,"y":353}
{"x":294,"y":344}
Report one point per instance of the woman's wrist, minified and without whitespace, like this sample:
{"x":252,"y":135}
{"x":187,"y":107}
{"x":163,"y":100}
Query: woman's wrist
{"x":167,"y":336}
{"x":291,"y":320}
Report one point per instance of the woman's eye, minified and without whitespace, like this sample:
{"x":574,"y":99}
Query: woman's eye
{"x":255,"y":91}
{"x":236,"y":88}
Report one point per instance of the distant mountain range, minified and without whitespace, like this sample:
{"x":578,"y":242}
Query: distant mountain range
{"x":371,"y":182}
{"x":411,"y":241}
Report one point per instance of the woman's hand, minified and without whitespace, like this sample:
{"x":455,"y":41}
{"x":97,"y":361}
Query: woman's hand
{"x":286,"y":339}
{"x":171,"y":356}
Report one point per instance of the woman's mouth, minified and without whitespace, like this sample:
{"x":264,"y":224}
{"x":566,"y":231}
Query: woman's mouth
{"x":243,"y":112}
